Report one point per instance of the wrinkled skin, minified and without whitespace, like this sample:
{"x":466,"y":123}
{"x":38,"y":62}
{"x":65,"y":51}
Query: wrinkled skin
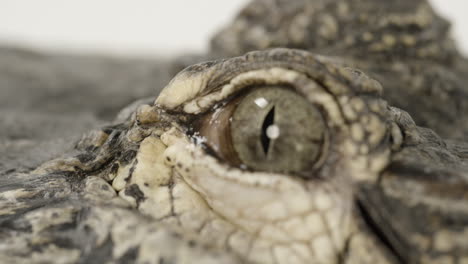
{"x":147,"y":189}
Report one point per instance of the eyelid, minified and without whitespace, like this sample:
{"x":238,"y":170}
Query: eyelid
{"x":208,"y":97}
{"x":214,"y":127}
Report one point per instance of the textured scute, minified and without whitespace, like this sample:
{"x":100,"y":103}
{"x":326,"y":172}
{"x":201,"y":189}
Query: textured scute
{"x":420,"y":201}
{"x":404,"y":45}
{"x":59,"y":218}
{"x":373,"y":30}
{"x":138,"y":187}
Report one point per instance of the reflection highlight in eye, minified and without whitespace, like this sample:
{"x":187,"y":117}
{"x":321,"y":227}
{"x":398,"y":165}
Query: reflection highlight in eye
{"x":261,"y":102}
{"x":270,"y":128}
{"x":273,"y":132}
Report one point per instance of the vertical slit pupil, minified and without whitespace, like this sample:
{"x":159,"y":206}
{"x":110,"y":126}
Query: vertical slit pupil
{"x":269,"y":120}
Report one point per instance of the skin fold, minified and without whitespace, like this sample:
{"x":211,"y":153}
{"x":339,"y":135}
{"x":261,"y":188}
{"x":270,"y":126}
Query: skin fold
{"x":167,"y":182}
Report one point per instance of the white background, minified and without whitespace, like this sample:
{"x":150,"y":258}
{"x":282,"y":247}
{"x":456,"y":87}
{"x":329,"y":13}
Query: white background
{"x":143,"y":27}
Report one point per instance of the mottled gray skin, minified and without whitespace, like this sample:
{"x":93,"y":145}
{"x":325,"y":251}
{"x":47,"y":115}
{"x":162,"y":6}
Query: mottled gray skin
{"x":47,"y":101}
{"x":415,"y":211}
{"x":404,"y":45}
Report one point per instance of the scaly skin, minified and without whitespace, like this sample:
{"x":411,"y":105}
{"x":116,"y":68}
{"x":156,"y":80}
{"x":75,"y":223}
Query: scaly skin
{"x":404,"y":45}
{"x":146,"y":189}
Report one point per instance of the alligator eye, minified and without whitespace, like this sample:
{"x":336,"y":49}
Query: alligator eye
{"x":269,"y":128}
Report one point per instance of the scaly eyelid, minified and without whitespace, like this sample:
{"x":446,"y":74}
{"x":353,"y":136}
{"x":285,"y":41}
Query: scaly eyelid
{"x":202,"y":97}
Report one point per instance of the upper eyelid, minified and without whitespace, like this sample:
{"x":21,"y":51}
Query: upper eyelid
{"x":197,"y":88}
{"x":268,"y":76}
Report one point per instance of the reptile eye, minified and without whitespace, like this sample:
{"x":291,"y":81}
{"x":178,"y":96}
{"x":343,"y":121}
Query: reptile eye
{"x":269,"y":128}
